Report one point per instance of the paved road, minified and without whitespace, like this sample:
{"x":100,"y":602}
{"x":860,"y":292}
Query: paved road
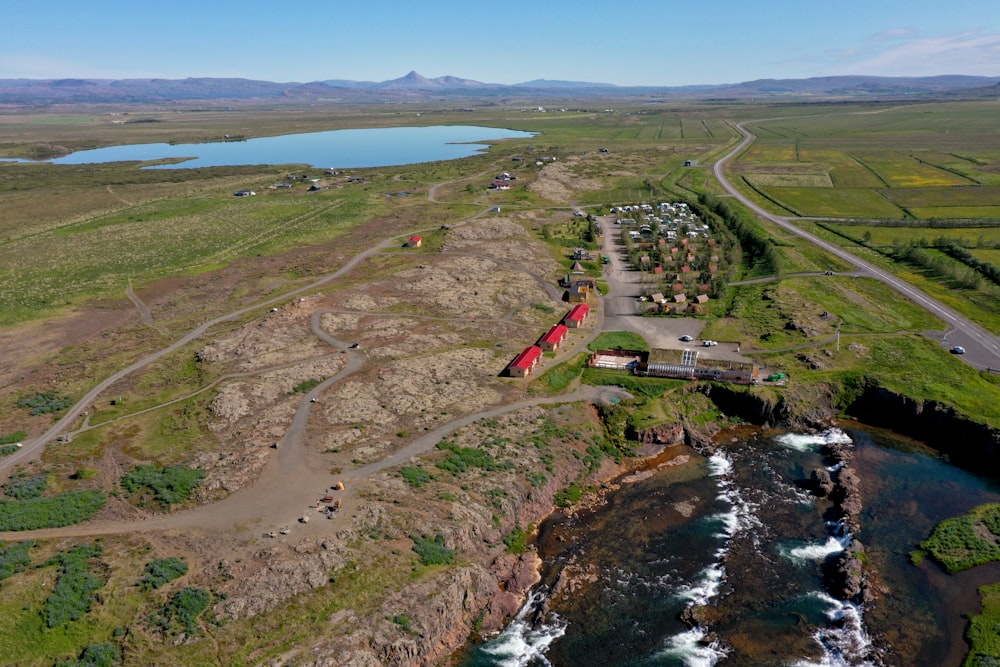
{"x":982,"y":346}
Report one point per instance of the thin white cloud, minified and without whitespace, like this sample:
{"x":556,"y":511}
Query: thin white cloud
{"x":973,"y":53}
{"x":895,"y":33}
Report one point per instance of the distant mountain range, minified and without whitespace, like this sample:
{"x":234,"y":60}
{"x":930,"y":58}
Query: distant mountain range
{"x":416,"y":88}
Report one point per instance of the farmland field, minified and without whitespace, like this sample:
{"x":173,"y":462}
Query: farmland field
{"x":833,"y":202}
{"x":930,"y":160}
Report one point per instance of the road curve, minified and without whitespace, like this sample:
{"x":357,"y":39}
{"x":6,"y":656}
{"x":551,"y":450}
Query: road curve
{"x":982,"y":346}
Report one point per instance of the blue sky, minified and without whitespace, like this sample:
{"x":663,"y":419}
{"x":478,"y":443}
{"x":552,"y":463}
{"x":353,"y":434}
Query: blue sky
{"x":628,"y":42}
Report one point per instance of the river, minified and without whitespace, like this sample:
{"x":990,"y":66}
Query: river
{"x":736,"y":543}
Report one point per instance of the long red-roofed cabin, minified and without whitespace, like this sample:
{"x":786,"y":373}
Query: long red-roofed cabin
{"x":551,"y":340}
{"x":576,"y":317}
{"x":525,"y":362}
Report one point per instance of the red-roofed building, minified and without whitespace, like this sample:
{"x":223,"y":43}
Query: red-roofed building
{"x":414,"y":242}
{"x":525,"y":362}
{"x":551,"y":340}
{"x":576,"y":317}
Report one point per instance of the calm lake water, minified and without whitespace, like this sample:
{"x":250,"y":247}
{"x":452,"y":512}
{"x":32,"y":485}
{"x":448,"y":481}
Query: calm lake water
{"x":746,"y":546}
{"x":376,"y":147}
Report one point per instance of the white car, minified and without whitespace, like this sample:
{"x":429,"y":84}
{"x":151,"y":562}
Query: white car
{"x":958,"y":349}
{"x":709,"y":343}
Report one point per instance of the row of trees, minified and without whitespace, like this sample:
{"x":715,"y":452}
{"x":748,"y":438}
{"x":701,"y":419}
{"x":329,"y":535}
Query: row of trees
{"x":757,"y":247}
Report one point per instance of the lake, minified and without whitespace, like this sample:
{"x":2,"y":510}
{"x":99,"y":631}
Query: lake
{"x":375,"y":147}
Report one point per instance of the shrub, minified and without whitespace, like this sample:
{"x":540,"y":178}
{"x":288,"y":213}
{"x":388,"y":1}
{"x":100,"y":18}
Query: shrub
{"x":403,"y":621}
{"x":181,"y":613}
{"x":415,"y":477}
{"x":161,"y":572}
{"x":105,"y":654}
{"x":50,"y":512}
{"x":517,"y":539}
{"x":15,"y":437}
{"x":173,"y":484}
{"x":569,"y":496}
{"x":44,"y":403}
{"x":432,"y":550}
{"x":305,"y":386}
{"x":74,"y":590}
{"x":460,"y":459}
{"x":25,"y":488}
{"x":15,"y":558}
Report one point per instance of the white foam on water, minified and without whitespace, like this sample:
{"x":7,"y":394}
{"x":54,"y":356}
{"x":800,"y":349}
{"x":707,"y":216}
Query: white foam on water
{"x":520,"y":644}
{"x":816,"y":551}
{"x":719,"y":465}
{"x":845,"y":643}
{"x":690,"y":648}
{"x":805,"y":442}
{"x":706,"y":587}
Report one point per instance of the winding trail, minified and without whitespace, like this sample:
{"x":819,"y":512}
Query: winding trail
{"x":290,"y":482}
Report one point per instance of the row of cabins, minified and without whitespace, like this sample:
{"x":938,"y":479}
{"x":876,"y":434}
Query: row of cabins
{"x":679,"y":364}
{"x":525,"y":363}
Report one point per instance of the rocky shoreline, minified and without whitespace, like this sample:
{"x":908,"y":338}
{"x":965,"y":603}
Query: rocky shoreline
{"x":501,"y":585}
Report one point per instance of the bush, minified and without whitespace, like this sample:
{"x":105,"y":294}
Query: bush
{"x":460,"y":459}
{"x":432,"y":550}
{"x":415,"y":477}
{"x":15,"y":558}
{"x":44,"y":403}
{"x":181,"y":613}
{"x":161,"y":572}
{"x":25,"y":488}
{"x":17,"y":436}
{"x":173,"y":484}
{"x":305,"y":386}
{"x":105,"y":654}
{"x":569,"y":496}
{"x":517,"y":539}
{"x":74,"y":590}
{"x":50,"y":512}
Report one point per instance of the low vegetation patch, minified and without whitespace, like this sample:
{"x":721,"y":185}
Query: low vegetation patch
{"x":15,"y":558}
{"x":984,"y":640}
{"x":25,"y":488}
{"x":415,"y":477}
{"x":44,"y":403}
{"x":170,"y":485}
{"x":570,"y":495}
{"x":180,"y":614}
{"x":517,"y":539}
{"x":13,"y":438}
{"x":619,"y":340}
{"x":161,"y":572}
{"x":966,"y":541}
{"x":105,"y":654}
{"x":64,"y":509}
{"x":461,"y":459}
{"x":74,"y":590}
{"x":432,"y":550}
{"x":305,"y":386}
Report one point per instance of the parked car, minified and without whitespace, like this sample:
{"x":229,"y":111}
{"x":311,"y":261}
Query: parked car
{"x":710,"y":343}
{"x":958,"y":349}
{"x":686,"y":338}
